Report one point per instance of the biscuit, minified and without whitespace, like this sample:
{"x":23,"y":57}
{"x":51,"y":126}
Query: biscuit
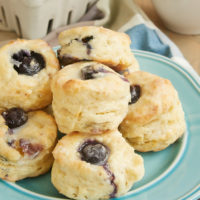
{"x":26,"y":143}
{"x":129,"y":70}
{"x":98,"y":44}
{"x":155,"y":118}
{"x":92,"y":167}
{"x":26,"y":69}
{"x":89,"y":97}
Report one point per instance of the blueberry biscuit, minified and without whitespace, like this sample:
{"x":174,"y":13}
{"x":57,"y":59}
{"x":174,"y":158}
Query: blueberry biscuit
{"x":92,"y":167}
{"x":155,"y":118}
{"x":26,"y":143}
{"x":91,"y":43}
{"x":89,"y":97}
{"x":26,"y":68}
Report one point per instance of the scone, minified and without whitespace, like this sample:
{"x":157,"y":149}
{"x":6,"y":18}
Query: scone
{"x":96,"y":44}
{"x":155,"y":118}
{"x":26,"y":69}
{"x":92,"y":167}
{"x":128,"y":70}
{"x":89,"y":97}
{"x":26,"y":143}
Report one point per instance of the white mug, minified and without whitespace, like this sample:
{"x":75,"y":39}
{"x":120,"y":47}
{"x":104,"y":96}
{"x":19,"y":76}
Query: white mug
{"x":181,"y":16}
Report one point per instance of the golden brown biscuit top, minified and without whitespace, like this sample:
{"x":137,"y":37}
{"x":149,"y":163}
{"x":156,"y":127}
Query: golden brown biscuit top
{"x":157,"y":95}
{"x":66,"y":36}
{"x":106,"y":83}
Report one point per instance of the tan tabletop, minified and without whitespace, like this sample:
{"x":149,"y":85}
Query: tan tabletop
{"x":188,"y":44}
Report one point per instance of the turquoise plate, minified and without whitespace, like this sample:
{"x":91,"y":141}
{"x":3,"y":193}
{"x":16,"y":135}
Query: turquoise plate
{"x":171,"y":174}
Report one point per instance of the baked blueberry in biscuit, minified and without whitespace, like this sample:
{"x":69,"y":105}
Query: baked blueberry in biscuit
{"x":28,"y":62}
{"x":105,"y":161}
{"x":94,"y":152}
{"x":135,"y":93}
{"x":86,"y":41}
{"x":26,"y":143}
{"x":92,"y":72}
{"x":26,"y":69}
{"x":15,"y":117}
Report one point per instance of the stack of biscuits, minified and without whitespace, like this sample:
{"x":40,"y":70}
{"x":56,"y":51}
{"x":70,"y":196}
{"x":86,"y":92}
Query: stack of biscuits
{"x":101,"y":101}
{"x":27,"y":134}
{"x":90,"y":100}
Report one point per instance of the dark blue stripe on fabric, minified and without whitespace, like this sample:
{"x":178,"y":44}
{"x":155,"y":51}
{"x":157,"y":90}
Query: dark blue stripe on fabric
{"x":144,"y":38}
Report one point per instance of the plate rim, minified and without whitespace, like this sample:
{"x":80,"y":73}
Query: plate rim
{"x":193,"y":76}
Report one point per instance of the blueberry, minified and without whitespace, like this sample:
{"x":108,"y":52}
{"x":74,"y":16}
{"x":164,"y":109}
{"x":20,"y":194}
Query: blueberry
{"x":94,"y":152}
{"x":29,"y":148}
{"x":89,"y":48}
{"x":88,"y":72}
{"x":20,"y":55}
{"x":11,"y":143}
{"x":87,"y":39}
{"x":112,"y":181}
{"x":28,"y":62}
{"x":92,"y":72}
{"x":15,"y":117}
{"x":135,"y":93}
